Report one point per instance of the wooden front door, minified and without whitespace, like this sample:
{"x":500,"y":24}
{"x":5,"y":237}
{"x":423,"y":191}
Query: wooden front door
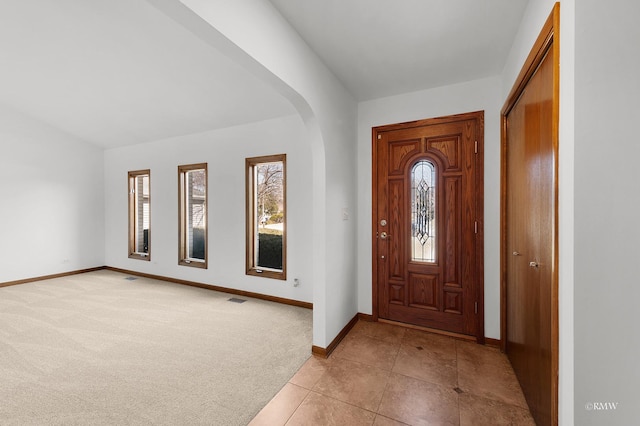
{"x":427,"y":223}
{"x":529,"y":247}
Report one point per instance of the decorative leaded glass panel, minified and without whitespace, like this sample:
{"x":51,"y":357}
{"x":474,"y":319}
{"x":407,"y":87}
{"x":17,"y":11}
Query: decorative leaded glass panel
{"x":423,"y":212}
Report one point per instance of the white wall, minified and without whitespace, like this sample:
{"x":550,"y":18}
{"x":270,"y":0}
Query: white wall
{"x":607,"y":204}
{"x":51,"y":187}
{"x":224,"y":151}
{"x":535,"y":15}
{"x":465,"y":97}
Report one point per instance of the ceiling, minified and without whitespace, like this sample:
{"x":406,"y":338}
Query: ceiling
{"x":120,"y":72}
{"x":379,"y":48}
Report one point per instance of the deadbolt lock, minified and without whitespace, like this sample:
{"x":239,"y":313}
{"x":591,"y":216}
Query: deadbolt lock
{"x":383,"y":222}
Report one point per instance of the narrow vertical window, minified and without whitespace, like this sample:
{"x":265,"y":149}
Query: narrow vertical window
{"x":266,"y":216}
{"x":423,"y":212}
{"x":139,"y":214}
{"x":192,"y":194}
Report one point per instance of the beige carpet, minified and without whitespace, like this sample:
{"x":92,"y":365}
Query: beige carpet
{"x":98,"y":348}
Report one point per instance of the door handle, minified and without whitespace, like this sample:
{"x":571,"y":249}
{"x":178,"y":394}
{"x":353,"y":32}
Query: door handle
{"x":533,"y":264}
{"x":516,"y":253}
{"x":384,"y":235}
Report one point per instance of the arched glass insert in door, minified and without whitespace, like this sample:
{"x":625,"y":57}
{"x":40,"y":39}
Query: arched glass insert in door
{"x":423,"y":212}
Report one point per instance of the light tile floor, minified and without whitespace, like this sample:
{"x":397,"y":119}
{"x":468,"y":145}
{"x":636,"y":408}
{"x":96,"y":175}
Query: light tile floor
{"x":382,"y":374}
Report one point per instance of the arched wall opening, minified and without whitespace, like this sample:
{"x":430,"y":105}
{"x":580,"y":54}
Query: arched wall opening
{"x":258,"y":38}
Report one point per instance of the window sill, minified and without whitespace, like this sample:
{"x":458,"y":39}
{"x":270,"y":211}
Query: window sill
{"x":139,"y":256}
{"x":202,"y":264}
{"x":266,"y":273}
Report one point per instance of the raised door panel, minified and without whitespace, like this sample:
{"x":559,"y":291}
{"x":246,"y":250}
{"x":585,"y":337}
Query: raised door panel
{"x":399,"y":151}
{"x":453,"y":301}
{"x":453,"y":231}
{"x":396,"y":217}
{"x":450,"y":149}
{"x":424,"y":289}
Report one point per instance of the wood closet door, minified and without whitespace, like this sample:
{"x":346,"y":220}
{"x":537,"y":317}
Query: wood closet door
{"x":530,"y":240}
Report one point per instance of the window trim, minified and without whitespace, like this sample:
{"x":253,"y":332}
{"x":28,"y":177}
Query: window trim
{"x":132,"y":253}
{"x":183,"y":258}
{"x":251,"y":217}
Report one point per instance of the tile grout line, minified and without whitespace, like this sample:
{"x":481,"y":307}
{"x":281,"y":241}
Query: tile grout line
{"x":390,"y":371}
{"x":298,"y":406}
{"x":364,"y":365}
{"x":386,"y":386}
{"x":339,"y":400}
{"x":311,"y":390}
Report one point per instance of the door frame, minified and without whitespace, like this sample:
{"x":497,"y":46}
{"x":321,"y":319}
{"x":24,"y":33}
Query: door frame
{"x":548,"y":38}
{"x":479,"y":202}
